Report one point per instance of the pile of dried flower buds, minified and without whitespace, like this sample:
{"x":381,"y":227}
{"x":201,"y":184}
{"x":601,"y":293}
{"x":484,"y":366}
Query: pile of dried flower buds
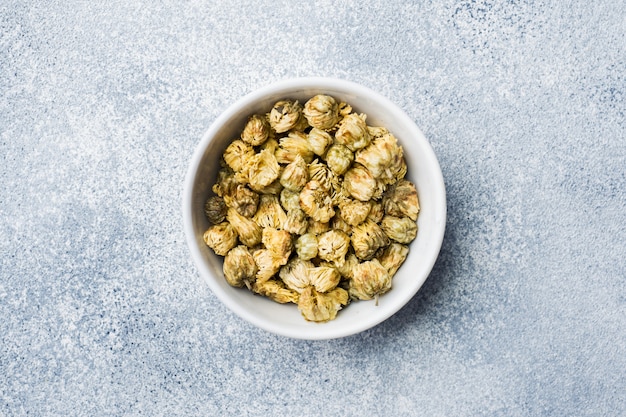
{"x":311,"y":206}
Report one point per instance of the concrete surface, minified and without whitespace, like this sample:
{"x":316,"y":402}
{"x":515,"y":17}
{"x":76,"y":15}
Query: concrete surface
{"x":102,"y":312}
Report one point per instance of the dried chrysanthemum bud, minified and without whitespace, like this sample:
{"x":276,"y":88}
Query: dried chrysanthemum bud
{"x":377,"y":131}
{"x":262,"y":169}
{"x":248,"y":231}
{"x":367,"y":238}
{"x":339,"y":158}
{"x":353,"y":132}
{"x":369,"y":280}
{"x":295,"y":274}
{"x":237,"y":154}
{"x":292,"y":145}
{"x":268,"y":264}
{"x":295,"y":175}
{"x":271,"y":145}
{"x":401,"y":200}
{"x":324,"y":278}
{"x":354,"y":211}
{"x":273,"y":189}
{"x":239,"y":267}
{"x":333,"y":246}
{"x":256,"y":131}
{"x":322,"y":112}
{"x":319,"y":141}
{"x":225,"y":182}
{"x":338,"y":223}
{"x":275,"y":290}
{"x":306,"y":246}
{"x":289,"y":200}
{"x":360,"y":183}
{"x":215,"y":209}
{"x":347,"y":269}
{"x":242,"y":199}
{"x":318,"y":171}
{"x":376,"y":211}
{"x":317,"y":227}
{"x":279,"y":242}
{"x":377,"y":156}
{"x":285,"y":115}
{"x":270,"y":213}
{"x":344,"y":109}
{"x":221,"y":238}
{"x":296,"y":222}
{"x":400,"y":229}
{"x":316,"y":202}
{"x":393,"y":256}
{"x":321,"y":307}
{"x":397,"y":170}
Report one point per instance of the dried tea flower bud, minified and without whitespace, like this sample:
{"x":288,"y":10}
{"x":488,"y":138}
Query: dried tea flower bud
{"x":295,"y":274}
{"x":400,"y":229}
{"x":321,"y":307}
{"x":319,"y":141}
{"x":275,"y":290}
{"x":316,"y":202}
{"x":268,"y":264}
{"x":401,"y":200}
{"x":248,"y":231}
{"x":324,"y":278}
{"x":237,"y":154}
{"x":367,"y":238}
{"x":306,"y":246}
{"x":296,"y":222}
{"x":393,"y":256}
{"x":285,"y":115}
{"x":215,"y":209}
{"x":370,"y":279}
{"x":360,"y":183}
{"x":239,"y":267}
{"x":263,"y":169}
{"x":354,"y":212}
{"x":279,"y":242}
{"x":221,"y":238}
{"x":295,"y":175}
{"x":333,"y":246}
{"x":289,"y":200}
{"x":353,"y":132}
{"x":292,"y":145}
{"x":256,"y":131}
{"x":339,"y":158}
{"x":322,"y":112}
{"x":270,"y":213}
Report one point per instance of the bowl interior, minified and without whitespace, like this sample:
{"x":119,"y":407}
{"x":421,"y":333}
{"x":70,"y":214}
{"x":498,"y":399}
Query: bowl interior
{"x":423,"y":171}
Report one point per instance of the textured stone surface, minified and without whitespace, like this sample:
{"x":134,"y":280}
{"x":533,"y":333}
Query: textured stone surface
{"x":103,"y":313}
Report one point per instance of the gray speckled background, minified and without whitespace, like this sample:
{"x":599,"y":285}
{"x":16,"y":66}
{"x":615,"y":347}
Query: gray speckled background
{"x":103,"y":313}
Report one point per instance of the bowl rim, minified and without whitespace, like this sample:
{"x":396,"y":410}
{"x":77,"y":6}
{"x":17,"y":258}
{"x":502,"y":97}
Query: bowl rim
{"x":320,"y":83}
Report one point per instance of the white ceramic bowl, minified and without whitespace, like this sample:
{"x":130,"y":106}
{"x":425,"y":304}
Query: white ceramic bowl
{"x":423,"y":171}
